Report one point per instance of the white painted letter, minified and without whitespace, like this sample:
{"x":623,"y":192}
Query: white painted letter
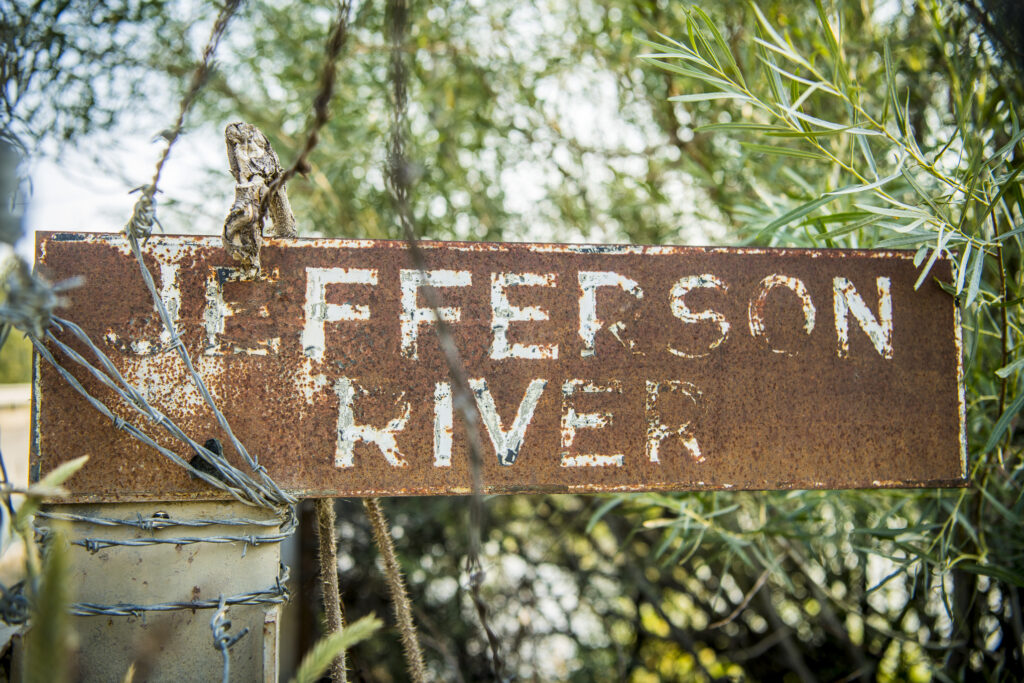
{"x":657,"y":431}
{"x":318,"y":311}
{"x":589,"y":322}
{"x":349,"y":432}
{"x":506,"y":444}
{"x":412,"y":315}
{"x":571,"y":421}
{"x":755,"y":312}
{"x":443,"y":424}
{"x":681,"y":311}
{"x":846,"y":300}
{"x":504,"y":313}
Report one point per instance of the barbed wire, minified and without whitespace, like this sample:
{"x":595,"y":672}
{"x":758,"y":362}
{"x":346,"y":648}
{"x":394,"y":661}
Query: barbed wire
{"x":399,"y":179}
{"x":30,"y":306}
{"x":144,"y":212}
{"x":286,"y":527}
{"x":222,"y":640}
{"x":273,"y":595}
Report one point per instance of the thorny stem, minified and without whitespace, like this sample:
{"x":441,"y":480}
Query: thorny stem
{"x":321,"y":113}
{"x":396,"y":586}
{"x":328,"y":557}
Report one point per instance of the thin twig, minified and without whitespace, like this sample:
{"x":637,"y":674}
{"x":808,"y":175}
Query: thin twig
{"x":396,"y":586}
{"x":743,"y":603}
{"x":328,"y":557}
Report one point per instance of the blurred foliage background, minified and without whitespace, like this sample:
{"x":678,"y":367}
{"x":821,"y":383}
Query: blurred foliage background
{"x":838,"y":124}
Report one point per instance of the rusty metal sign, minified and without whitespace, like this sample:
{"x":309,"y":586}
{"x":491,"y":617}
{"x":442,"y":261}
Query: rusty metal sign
{"x":594,"y":368}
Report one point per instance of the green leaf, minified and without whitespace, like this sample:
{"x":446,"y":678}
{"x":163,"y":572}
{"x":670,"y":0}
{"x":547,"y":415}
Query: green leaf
{"x":782,"y":151}
{"x":853,"y":189}
{"x":976,"y":272}
{"x":64,"y":472}
{"x":702,"y":96}
{"x":909,"y":212}
{"x":741,"y":127}
{"x":1011,"y":368}
{"x":1004,"y":423}
{"x":795,"y":214}
{"x":1016,"y":231}
{"x":961,"y":270}
{"x":48,"y":641}
{"x":329,"y":647}
{"x":600,"y":512}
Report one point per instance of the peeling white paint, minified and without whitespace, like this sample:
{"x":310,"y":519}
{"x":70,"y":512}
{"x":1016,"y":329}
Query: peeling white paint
{"x":590,"y":323}
{"x":756,"y":308}
{"x":504,"y":313}
{"x":572,"y":421}
{"x":443,"y":428}
{"x":308,"y":383}
{"x":506,"y":444}
{"x":680,"y":310}
{"x":412,"y":315}
{"x":318,"y":312}
{"x":349,"y":433}
{"x":657,"y":431}
{"x":847,"y":300}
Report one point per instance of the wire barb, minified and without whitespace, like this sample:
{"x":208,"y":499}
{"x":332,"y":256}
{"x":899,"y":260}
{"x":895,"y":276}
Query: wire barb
{"x":222,"y":640}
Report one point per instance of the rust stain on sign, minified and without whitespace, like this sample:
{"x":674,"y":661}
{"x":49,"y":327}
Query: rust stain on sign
{"x":594,"y":368}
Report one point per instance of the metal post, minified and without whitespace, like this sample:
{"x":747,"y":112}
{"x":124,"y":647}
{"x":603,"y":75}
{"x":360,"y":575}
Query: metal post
{"x":121,"y":572}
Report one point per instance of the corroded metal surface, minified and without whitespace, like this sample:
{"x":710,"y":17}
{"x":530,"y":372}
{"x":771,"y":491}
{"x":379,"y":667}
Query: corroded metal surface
{"x":594,"y":368}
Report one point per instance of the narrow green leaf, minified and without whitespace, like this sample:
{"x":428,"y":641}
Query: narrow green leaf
{"x":1003,"y":423}
{"x":328,"y":648}
{"x":790,"y":216}
{"x":927,"y":268}
{"x":865,"y":150}
{"x":740,"y":127}
{"x":903,"y":241}
{"x":961,"y":270}
{"x":853,"y":189}
{"x":972,"y":289}
{"x":782,"y":151}
{"x":1013,"y":367}
{"x":1016,"y":231}
{"x":890,"y":82}
{"x":786,"y":51}
{"x":1005,"y":149}
{"x":600,"y":512}
{"x":723,"y":46}
{"x":909,"y":212}
{"x":49,"y":639}
{"x":64,"y":472}
{"x":702,"y":96}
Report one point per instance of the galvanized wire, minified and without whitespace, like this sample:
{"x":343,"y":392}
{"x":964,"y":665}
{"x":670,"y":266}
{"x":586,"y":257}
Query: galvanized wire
{"x":222,"y":640}
{"x":274,"y":595}
{"x":144,"y":213}
{"x":285,"y":523}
